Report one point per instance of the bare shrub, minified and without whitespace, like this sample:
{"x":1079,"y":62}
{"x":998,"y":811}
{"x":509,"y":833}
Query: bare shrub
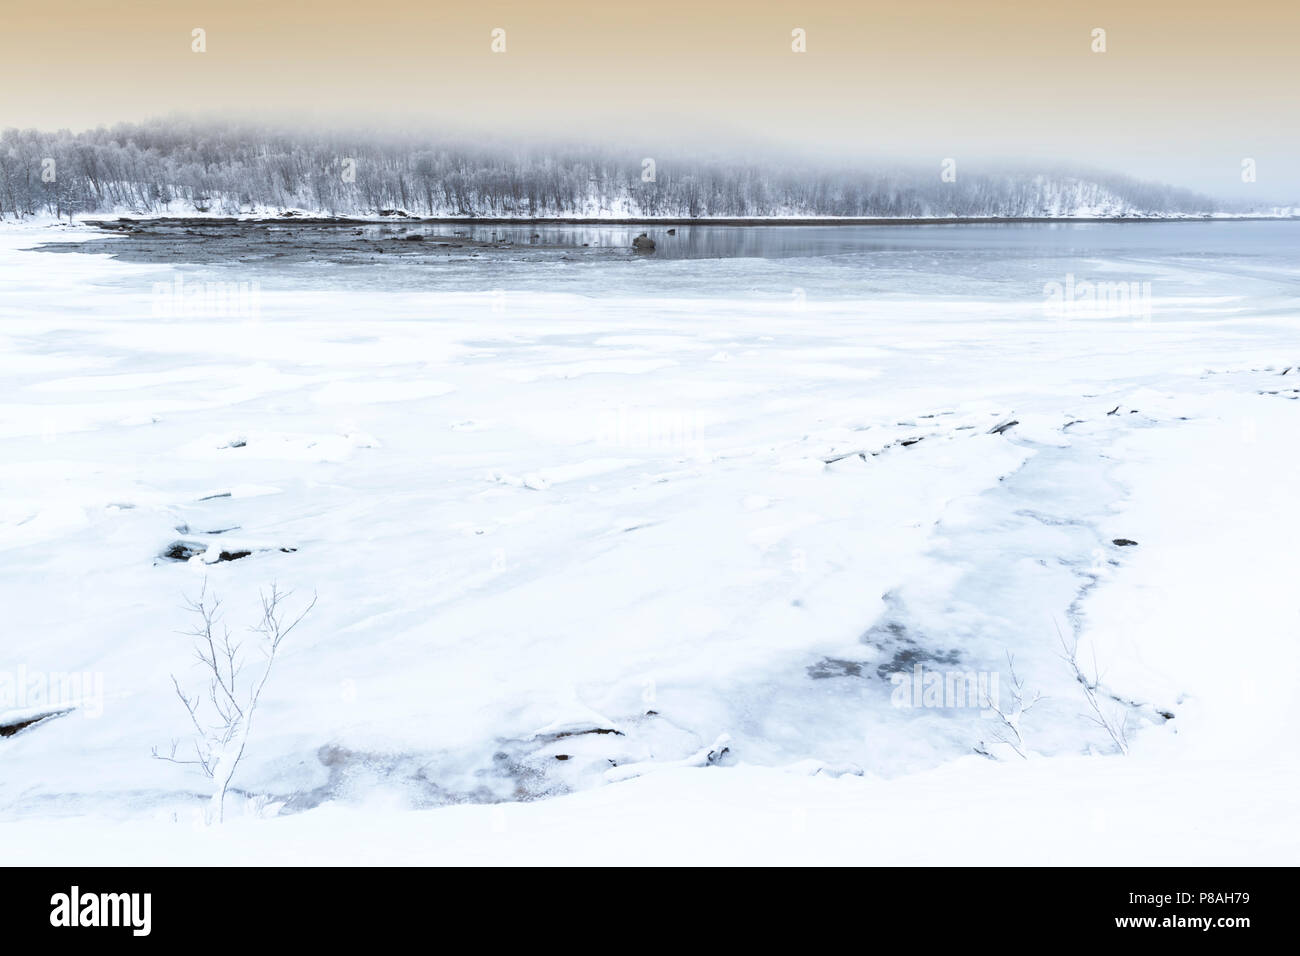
{"x":1007,"y":730}
{"x":1111,"y":716}
{"x":222,"y":715}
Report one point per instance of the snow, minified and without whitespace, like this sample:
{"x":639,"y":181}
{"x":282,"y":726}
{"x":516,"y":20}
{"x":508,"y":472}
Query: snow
{"x":550,"y":525}
{"x":1074,"y":810}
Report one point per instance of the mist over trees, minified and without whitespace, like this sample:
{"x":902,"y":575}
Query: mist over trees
{"x":182,"y":166}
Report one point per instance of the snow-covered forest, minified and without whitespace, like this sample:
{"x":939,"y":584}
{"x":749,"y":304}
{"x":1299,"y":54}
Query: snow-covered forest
{"x":180,"y":166}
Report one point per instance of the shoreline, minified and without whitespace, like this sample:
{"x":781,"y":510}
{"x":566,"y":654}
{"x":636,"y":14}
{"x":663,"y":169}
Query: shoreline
{"x":120,"y":221}
{"x":355,"y":241}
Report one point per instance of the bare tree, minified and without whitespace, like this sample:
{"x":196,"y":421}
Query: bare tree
{"x":1008,"y":729}
{"x":222,"y":718}
{"x":1114,"y":720}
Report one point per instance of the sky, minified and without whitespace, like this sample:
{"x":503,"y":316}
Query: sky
{"x":1184,"y":92}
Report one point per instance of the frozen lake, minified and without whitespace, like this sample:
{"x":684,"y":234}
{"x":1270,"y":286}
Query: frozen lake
{"x":959,"y":241}
{"x":1009,"y":259}
{"x":575,"y":515}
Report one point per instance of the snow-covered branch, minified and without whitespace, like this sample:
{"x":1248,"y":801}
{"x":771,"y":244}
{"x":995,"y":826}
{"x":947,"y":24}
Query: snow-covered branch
{"x":1007,"y":730}
{"x":231,"y":697}
{"x":1113,"y":719}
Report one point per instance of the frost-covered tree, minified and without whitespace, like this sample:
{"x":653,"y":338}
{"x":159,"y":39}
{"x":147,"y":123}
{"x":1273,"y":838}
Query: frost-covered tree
{"x":178,"y":164}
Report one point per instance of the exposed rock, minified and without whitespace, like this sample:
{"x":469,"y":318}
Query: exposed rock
{"x":14,"y":726}
{"x":183,"y":550}
{"x":643,"y":243}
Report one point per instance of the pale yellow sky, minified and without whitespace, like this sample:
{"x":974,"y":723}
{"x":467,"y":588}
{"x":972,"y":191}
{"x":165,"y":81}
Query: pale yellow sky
{"x":1184,"y":91}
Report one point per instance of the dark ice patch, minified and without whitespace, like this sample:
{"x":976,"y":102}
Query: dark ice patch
{"x":905,"y":650}
{"x":835,"y":667}
{"x":905,"y":659}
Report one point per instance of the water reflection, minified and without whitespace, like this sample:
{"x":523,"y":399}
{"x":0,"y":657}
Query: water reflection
{"x":782,"y":242}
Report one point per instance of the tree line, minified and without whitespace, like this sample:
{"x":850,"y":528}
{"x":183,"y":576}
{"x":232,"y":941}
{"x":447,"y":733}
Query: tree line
{"x":179,"y":166}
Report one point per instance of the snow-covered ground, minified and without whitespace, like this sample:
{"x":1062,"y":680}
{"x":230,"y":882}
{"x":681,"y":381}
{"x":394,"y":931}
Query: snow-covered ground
{"x":640,"y":561}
